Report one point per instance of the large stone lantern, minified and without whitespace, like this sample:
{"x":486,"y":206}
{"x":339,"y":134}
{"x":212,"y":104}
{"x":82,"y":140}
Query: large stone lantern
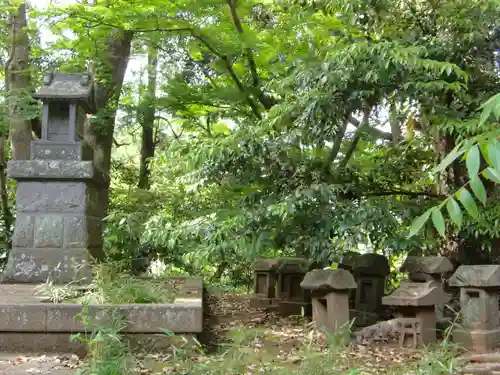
{"x":59,"y":215}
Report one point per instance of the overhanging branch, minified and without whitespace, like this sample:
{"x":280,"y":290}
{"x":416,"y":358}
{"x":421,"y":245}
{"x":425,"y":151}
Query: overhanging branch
{"x":357,"y":137}
{"x":402,"y":192}
{"x":371,"y":130}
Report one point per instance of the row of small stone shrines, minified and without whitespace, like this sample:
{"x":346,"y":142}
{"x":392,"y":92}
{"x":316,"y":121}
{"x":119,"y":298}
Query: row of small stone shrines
{"x":290,"y":286}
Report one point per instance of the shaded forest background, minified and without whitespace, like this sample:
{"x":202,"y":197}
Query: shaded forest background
{"x":233,"y":129}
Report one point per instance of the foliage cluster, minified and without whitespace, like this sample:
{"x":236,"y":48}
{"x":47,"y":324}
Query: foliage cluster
{"x":310,"y":131}
{"x":283,"y":128}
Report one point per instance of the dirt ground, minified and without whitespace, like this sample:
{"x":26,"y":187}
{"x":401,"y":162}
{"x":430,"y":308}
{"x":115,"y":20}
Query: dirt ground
{"x":274,"y":341}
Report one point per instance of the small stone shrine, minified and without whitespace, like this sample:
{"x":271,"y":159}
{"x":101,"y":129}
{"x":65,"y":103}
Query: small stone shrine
{"x":425,"y":269}
{"x":370,"y":272}
{"x":59,"y":195}
{"x":265,"y":283}
{"x":479,"y":295}
{"x":293,"y":299}
{"x":330,"y":297}
{"x":277,"y":285}
{"x":415,"y":304}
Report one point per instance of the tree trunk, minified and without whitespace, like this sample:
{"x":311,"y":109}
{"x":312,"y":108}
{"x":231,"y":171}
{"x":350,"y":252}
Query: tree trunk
{"x":108,"y":73}
{"x":17,"y":82}
{"x":147,"y":109}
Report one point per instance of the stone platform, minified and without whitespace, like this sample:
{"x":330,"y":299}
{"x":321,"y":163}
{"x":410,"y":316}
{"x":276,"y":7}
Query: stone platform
{"x":31,"y":324}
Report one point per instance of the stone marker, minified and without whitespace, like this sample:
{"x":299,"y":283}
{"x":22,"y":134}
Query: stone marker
{"x":370,"y":272}
{"x":330,"y":297}
{"x":415,"y":303}
{"x":480,"y":326}
{"x":293,"y":299}
{"x":277,"y":285}
{"x":265,"y":283}
{"x":428,"y":268}
{"x":60,"y":194}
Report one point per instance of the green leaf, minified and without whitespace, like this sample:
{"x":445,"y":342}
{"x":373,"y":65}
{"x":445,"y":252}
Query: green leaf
{"x":418,"y":223}
{"x":491,"y":106}
{"x":454,"y":211}
{"x":478,"y":189}
{"x":450,"y":158}
{"x":492,"y":174}
{"x":494,"y":154}
{"x":438,"y":221}
{"x":468,"y":201}
{"x":473,"y":161}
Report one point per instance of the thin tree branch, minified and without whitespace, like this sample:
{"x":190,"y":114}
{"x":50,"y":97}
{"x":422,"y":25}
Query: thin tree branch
{"x":248,"y":52}
{"x":204,"y":41}
{"x":231,"y":72}
{"x":357,"y":137}
{"x":176,"y":136}
{"x":373,"y":131}
{"x":402,"y":192}
{"x":337,"y":143}
{"x":115,"y":142}
{"x":265,"y":100}
{"x":209,"y":124}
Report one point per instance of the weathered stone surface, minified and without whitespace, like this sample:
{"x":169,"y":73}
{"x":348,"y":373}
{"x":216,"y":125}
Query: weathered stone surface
{"x":178,"y":317}
{"x":416,"y":294}
{"x":54,"y":169}
{"x":40,"y":343}
{"x":265,"y":264}
{"x":60,"y":198}
{"x":181,"y":316}
{"x":365,"y":264}
{"x":283,"y":265}
{"x":29,"y":317}
{"x":481,"y":276}
{"x":82,"y":231}
{"x":479,"y":308}
{"x":293,"y":265}
{"x":331,"y":311}
{"x":61,"y":86}
{"x":428,"y":265}
{"x":48,"y":231}
{"x":23,"y":231}
{"x":63,"y":317}
{"x":49,"y":150}
{"x":57,"y":197}
{"x":369,"y":294}
{"x":184,"y":286}
{"x":185,"y":317}
{"x":328,"y":280}
{"x":476,"y":340}
{"x":37,"y":265}
{"x":57,"y":343}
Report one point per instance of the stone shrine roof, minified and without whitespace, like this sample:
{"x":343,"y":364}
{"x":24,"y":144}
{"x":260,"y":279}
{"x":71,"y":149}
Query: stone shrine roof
{"x":430,"y":265}
{"x":328,"y":280}
{"x":416,"y":294}
{"x":366,"y":264}
{"x":67,"y":87}
{"x":481,"y":276}
{"x":293,"y":265}
{"x":265,"y":264}
{"x":281,"y":265}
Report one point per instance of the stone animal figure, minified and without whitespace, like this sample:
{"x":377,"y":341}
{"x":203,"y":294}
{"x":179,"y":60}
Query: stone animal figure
{"x":380,"y":332}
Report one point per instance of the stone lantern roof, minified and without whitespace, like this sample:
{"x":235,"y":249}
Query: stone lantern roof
{"x":68,"y":87}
